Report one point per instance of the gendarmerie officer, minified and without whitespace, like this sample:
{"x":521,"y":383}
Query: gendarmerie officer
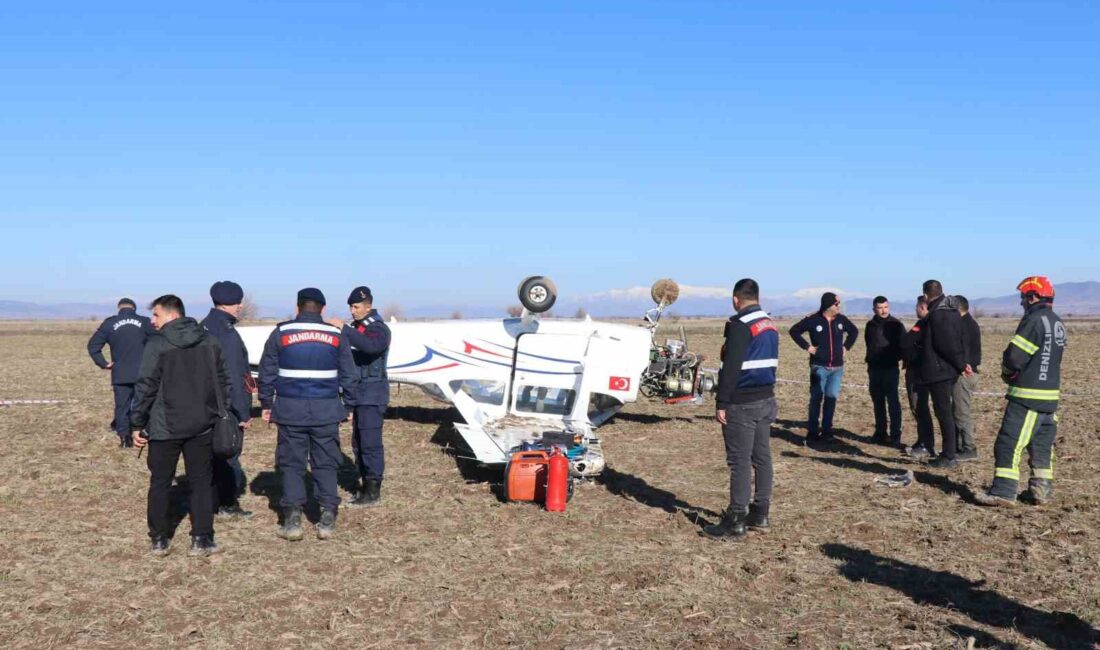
{"x":305,"y":366}
{"x":126,"y":333}
{"x":370,"y":346}
{"x":229,"y":478}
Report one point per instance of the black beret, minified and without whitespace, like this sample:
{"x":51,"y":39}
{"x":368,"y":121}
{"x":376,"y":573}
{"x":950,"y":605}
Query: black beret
{"x":309,"y":293}
{"x":360,"y":294}
{"x":226,"y":293}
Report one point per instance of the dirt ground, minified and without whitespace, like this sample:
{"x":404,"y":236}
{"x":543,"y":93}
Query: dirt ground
{"x":443,"y":563}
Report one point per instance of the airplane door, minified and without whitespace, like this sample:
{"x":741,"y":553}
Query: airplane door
{"x":548,"y":370}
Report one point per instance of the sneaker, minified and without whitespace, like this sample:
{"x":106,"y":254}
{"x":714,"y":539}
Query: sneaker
{"x":994,"y":501}
{"x":731,"y":526}
{"x":203,"y":545}
{"x":327,"y":525}
{"x":234,"y":511}
{"x":371,"y":495}
{"x":160,"y":546}
{"x":943,"y":462}
{"x":967,"y":456}
{"x":917,"y":452}
{"x":291,"y":530}
{"x":758,"y":519}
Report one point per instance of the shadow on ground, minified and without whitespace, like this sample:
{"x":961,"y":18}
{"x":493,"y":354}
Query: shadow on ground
{"x":1061,"y":630}
{"x":638,"y":489}
{"x":939,"y":481}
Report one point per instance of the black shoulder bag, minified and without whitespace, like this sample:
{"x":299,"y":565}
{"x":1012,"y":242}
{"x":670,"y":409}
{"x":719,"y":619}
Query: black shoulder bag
{"x":226,"y":437}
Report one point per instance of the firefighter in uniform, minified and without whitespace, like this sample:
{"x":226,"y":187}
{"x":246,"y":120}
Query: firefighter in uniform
{"x":305,"y":365}
{"x":370,"y":347}
{"x":1031,"y":367}
{"x":125,"y":333}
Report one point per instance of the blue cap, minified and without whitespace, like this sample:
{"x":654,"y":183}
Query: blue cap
{"x":309,"y":293}
{"x":226,"y":293}
{"x":360,"y":294}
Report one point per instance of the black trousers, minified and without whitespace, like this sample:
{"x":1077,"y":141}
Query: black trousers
{"x":124,"y":399}
{"x":883,"y":385}
{"x":747,"y":434}
{"x":941,"y":393}
{"x":229,"y":481}
{"x":163,"y":457}
{"x":370,"y":456}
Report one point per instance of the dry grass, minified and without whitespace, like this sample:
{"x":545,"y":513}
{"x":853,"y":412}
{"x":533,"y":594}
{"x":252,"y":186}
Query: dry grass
{"x":444,"y":564}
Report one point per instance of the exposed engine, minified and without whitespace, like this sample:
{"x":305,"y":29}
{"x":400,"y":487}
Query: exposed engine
{"x":674,"y":373}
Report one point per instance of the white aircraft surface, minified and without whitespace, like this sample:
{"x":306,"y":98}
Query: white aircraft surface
{"x":515,"y":379}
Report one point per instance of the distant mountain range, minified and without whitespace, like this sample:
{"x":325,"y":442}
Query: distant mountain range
{"x":1074,"y":299}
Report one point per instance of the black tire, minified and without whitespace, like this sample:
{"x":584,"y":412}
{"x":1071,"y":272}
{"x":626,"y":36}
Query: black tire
{"x":537,"y":294}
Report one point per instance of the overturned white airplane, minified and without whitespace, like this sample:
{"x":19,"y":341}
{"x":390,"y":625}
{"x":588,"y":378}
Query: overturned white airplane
{"x":514,"y":380}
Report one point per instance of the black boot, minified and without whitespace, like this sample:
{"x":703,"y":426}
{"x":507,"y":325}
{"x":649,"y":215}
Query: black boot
{"x":731,"y":526}
{"x":1039,"y":491}
{"x":291,"y":530}
{"x":758,"y":518}
{"x":203,"y":545}
{"x":371,"y":495}
{"x":160,"y":546}
{"x":327,"y":525}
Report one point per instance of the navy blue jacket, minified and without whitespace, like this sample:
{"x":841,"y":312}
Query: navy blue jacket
{"x":370,"y":347}
{"x":750,"y":358}
{"x":220,"y":325}
{"x":830,"y":339}
{"x":305,"y":365}
{"x":126,"y":333}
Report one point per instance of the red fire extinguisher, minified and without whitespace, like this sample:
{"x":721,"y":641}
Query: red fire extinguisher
{"x":557,"y":482}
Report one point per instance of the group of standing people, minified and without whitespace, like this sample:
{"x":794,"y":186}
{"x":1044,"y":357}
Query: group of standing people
{"x":941,"y":355}
{"x":171,"y":374}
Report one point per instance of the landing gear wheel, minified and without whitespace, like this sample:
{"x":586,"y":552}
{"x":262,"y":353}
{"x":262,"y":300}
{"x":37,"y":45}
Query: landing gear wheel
{"x":537,"y":294}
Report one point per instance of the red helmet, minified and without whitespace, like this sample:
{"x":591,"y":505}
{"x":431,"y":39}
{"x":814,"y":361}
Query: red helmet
{"x":1037,"y":284}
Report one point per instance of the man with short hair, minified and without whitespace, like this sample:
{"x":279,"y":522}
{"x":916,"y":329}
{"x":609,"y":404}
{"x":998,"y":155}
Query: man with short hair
{"x":1032,"y":368}
{"x":308,"y":383}
{"x":125,"y":333}
{"x":916,"y":394}
{"x":942,"y":362}
{"x":182,"y":372}
{"x":370,"y":345}
{"x":831,"y":333}
{"x":229,"y":478}
{"x":746,"y":409}
{"x":882,"y":337}
{"x":967,"y":384}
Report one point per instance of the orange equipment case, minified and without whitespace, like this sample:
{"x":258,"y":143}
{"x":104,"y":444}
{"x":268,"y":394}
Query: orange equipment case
{"x":525,"y":476}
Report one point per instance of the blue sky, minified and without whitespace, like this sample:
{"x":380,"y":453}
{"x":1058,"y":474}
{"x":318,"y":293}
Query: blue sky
{"x":442,"y":151}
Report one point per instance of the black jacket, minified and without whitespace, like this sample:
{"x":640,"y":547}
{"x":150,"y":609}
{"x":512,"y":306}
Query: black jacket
{"x":972,"y":341}
{"x":941,"y":348}
{"x":174,"y":397}
{"x":882,"y":337}
{"x":126,"y":333}
{"x":830,"y":339}
{"x":220,"y":325}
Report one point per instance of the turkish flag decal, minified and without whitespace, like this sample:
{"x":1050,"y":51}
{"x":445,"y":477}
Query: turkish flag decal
{"x":618,"y":383}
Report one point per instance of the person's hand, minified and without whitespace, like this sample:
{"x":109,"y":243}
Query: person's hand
{"x":720,"y":415}
{"x":266,"y":415}
{"x":335,"y":322}
{"x":968,"y":371}
{"x":247,"y":424}
{"x":139,"y":440}
{"x":812,"y":349}
{"x":351,"y":414}
{"x":110,"y":364}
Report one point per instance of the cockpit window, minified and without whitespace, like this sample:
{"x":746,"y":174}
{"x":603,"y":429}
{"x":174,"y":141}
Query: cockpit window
{"x":482,"y":392}
{"x":543,"y":399}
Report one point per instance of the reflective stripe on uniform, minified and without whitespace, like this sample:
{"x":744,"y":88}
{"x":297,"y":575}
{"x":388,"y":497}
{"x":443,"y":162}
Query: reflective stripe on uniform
{"x":309,"y":326}
{"x":1043,"y":473}
{"x":753,"y":316}
{"x":1033,"y":393}
{"x":1021,"y":443}
{"x":1024,"y":344}
{"x":760,"y":363}
{"x":307,"y":374}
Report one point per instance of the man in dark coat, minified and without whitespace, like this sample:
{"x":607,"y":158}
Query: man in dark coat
{"x":125,"y":333}
{"x":942,"y":361}
{"x":882,"y":336}
{"x":229,"y":477}
{"x":175,"y":408}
